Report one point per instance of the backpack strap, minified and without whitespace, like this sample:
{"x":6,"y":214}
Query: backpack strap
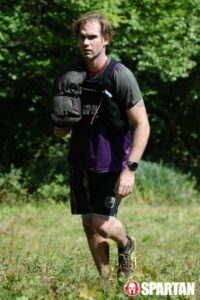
{"x":107,"y":76}
{"x":112,"y":114}
{"x":105,"y":80}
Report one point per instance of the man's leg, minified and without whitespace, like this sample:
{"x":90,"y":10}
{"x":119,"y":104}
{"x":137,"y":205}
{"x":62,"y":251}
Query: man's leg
{"x":80,"y":201}
{"x":104,"y":222}
{"x":98,"y":246}
{"x":111,"y":228}
{"x":80,"y":204}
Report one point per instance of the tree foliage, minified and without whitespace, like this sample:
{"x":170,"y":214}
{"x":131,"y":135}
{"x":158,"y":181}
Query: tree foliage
{"x":159,"y":41}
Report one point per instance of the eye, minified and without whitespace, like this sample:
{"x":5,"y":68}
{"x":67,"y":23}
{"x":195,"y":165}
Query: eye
{"x":92,"y":37}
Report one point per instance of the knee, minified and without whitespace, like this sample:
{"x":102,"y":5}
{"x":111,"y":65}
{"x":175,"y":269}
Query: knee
{"x":102,"y":227}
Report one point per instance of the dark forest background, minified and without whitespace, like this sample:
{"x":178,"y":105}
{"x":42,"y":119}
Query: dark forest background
{"x":159,"y":42}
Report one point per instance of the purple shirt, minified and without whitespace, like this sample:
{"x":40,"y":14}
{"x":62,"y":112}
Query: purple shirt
{"x":92,"y":146}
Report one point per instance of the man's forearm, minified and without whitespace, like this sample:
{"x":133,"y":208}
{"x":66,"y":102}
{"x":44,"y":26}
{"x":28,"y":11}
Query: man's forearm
{"x":139,"y":141}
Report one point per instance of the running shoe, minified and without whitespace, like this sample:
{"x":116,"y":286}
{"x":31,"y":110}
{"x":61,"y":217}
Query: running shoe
{"x":127,"y":259}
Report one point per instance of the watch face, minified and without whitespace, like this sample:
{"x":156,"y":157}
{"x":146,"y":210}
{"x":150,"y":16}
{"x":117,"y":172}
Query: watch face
{"x":133,"y":165}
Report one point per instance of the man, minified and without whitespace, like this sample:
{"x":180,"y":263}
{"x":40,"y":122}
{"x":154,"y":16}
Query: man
{"x":103,"y":161}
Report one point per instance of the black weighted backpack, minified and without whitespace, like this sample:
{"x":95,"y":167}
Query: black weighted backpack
{"x":66,"y":100}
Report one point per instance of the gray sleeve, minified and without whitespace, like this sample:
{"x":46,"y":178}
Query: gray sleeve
{"x":127,"y":89}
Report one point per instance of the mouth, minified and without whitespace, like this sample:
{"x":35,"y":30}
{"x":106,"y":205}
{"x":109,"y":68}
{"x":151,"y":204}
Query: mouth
{"x":87,"y":51}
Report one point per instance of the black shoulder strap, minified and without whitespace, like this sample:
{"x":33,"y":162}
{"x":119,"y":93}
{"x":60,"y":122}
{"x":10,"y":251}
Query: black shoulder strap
{"x":106,"y":76}
{"x":105,"y":79}
{"x":109,"y":69}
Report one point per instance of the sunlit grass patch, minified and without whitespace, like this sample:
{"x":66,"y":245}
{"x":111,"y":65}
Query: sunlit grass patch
{"x":44,"y":253}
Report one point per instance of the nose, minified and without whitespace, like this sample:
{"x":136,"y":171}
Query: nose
{"x":86,"y":41}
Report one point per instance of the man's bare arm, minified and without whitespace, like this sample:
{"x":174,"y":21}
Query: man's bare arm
{"x":138,"y":117}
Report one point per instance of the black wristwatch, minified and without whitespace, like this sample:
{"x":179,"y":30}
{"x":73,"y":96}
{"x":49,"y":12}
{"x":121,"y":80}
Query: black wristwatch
{"x":133,"y":165}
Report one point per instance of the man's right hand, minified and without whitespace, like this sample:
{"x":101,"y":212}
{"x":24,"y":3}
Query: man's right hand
{"x":60,"y":132}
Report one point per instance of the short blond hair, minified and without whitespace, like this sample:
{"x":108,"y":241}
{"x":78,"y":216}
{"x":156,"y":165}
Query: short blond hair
{"x":105,"y":26}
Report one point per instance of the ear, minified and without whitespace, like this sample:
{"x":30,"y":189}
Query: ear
{"x":106,"y":39}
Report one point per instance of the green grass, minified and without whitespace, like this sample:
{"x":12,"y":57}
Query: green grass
{"x":44,"y":253}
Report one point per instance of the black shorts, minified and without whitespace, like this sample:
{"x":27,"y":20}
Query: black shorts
{"x":93,"y":193}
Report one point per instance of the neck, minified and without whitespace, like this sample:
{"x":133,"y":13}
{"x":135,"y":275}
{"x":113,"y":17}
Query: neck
{"x":96,"y":64}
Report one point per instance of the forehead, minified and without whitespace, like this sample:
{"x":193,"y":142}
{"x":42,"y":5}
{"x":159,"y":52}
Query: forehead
{"x":91,"y":27}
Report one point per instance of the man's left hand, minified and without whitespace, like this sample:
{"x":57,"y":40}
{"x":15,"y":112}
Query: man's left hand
{"x":125,"y":183}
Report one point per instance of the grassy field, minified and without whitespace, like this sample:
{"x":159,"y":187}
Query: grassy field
{"x":44,"y":254}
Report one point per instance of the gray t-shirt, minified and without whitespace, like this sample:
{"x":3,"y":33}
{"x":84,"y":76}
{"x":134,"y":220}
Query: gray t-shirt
{"x":93,"y":147}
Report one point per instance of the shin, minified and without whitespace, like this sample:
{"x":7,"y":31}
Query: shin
{"x":98,"y":246}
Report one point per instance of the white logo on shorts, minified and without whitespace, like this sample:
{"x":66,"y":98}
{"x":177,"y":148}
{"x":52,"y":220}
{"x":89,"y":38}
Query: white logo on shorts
{"x":110,"y":202}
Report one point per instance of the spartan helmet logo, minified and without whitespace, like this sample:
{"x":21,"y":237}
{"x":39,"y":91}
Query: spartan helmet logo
{"x":110,"y":202}
{"x":132,"y":288}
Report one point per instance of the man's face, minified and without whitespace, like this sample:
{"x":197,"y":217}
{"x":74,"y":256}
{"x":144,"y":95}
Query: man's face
{"x":91,"y":42}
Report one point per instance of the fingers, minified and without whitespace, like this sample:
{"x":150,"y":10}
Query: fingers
{"x":124,"y":184}
{"x":116,"y":189}
{"x":122,"y":191}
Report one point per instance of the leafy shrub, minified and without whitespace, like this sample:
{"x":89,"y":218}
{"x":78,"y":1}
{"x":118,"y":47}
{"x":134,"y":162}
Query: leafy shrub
{"x":157,"y":183}
{"x":12,"y":187}
{"x":44,"y":177}
{"x":49,"y":160}
{"x":57,"y":190}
